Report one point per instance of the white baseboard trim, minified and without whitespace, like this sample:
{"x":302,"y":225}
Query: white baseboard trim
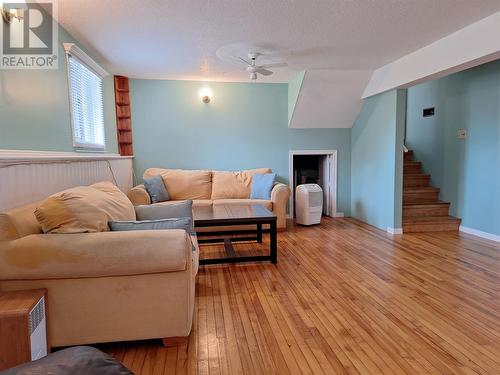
{"x":479,"y":233}
{"x":394,"y":230}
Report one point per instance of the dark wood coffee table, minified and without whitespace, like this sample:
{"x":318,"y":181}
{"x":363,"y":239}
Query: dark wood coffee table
{"x":231,"y":215}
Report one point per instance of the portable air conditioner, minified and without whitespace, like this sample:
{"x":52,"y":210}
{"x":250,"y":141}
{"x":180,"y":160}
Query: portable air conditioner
{"x":308,"y":204}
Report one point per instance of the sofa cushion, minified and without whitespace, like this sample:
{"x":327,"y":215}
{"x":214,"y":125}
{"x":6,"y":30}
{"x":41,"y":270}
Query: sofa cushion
{"x":238,"y":202}
{"x":184,"y":184}
{"x":84,"y":209}
{"x":101,"y":254}
{"x":202,"y":203}
{"x":196,"y":203}
{"x":19,"y":222}
{"x":233,"y":185}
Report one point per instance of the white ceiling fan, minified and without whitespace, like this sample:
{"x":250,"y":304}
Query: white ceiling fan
{"x":253,"y":69}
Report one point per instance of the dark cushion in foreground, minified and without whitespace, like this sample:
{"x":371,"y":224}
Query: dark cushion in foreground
{"x":80,"y":360}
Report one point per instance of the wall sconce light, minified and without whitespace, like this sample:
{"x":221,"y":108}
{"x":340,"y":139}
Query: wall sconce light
{"x":206,"y":94}
{"x":9,"y":15}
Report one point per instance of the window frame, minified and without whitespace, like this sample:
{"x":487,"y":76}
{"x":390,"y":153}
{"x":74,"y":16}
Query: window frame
{"x":71,"y":49}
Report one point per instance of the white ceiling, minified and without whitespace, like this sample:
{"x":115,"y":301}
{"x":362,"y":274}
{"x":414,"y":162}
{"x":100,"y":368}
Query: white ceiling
{"x":178,"y":39}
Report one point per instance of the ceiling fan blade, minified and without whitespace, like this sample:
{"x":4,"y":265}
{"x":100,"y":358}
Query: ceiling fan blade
{"x":264,"y":72}
{"x":274,"y":65}
{"x":241,"y":59}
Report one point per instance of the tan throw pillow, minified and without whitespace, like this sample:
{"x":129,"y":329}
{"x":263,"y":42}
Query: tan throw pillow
{"x":84,"y":209}
{"x":184,"y":184}
{"x":234,"y":185}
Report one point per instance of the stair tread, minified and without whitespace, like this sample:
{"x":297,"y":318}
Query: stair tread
{"x":422,"y":210}
{"x":419,"y":189}
{"x":430,"y":219}
{"x":419,"y":175}
{"x":426,"y":204}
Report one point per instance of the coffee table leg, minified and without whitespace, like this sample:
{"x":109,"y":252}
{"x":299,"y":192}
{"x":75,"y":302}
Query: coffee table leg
{"x":259,"y":233}
{"x":274,"y":243}
{"x":228,"y":246}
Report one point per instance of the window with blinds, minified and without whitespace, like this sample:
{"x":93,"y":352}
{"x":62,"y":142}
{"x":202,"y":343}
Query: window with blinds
{"x":87,"y":115}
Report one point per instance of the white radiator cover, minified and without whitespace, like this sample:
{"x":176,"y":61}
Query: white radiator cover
{"x":38,"y":330}
{"x":30,"y":176}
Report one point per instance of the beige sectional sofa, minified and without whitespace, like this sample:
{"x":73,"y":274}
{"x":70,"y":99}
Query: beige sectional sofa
{"x":207,"y":188}
{"x":102,"y":286}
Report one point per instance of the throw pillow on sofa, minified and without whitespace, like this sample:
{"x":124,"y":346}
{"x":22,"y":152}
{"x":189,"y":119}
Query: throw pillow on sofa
{"x":156,"y":189}
{"x":161,"y":224}
{"x":84,"y":209}
{"x":171,"y":211}
{"x":181,"y":223}
{"x":262,"y":184}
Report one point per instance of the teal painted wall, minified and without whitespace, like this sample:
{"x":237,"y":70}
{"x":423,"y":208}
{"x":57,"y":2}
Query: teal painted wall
{"x":466,"y":170}
{"x":245,"y":126}
{"x":376,"y":160}
{"x":34,"y":108}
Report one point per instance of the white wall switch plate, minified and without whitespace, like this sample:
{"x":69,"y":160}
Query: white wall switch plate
{"x":462,"y":134}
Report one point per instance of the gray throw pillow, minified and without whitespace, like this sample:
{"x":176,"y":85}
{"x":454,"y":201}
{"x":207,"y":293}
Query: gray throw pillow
{"x":165,"y":211}
{"x":179,"y":223}
{"x":156,"y":189}
{"x":71,"y":361}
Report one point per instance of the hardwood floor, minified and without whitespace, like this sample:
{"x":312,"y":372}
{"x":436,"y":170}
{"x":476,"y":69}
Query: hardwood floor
{"x":344,"y":298}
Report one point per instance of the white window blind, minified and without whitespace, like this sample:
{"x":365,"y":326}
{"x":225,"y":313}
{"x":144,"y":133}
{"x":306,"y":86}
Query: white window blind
{"x":86,"y":99}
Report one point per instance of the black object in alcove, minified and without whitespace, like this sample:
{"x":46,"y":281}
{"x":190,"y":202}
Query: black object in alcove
{"x":428,"y":112}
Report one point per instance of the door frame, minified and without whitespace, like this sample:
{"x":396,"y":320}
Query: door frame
{"x":332,"y":181}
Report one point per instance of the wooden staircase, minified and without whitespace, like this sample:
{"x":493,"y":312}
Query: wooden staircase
{"x":422,"y":209}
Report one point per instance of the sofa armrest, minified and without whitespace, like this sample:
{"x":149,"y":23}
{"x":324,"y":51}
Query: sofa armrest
{"x":102,"y":254}
{"x":279,"y":196}
{"x":138,"y":195}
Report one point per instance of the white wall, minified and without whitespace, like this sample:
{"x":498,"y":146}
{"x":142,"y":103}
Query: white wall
{"x":329,"y":98}
{"x":471,"y":46}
